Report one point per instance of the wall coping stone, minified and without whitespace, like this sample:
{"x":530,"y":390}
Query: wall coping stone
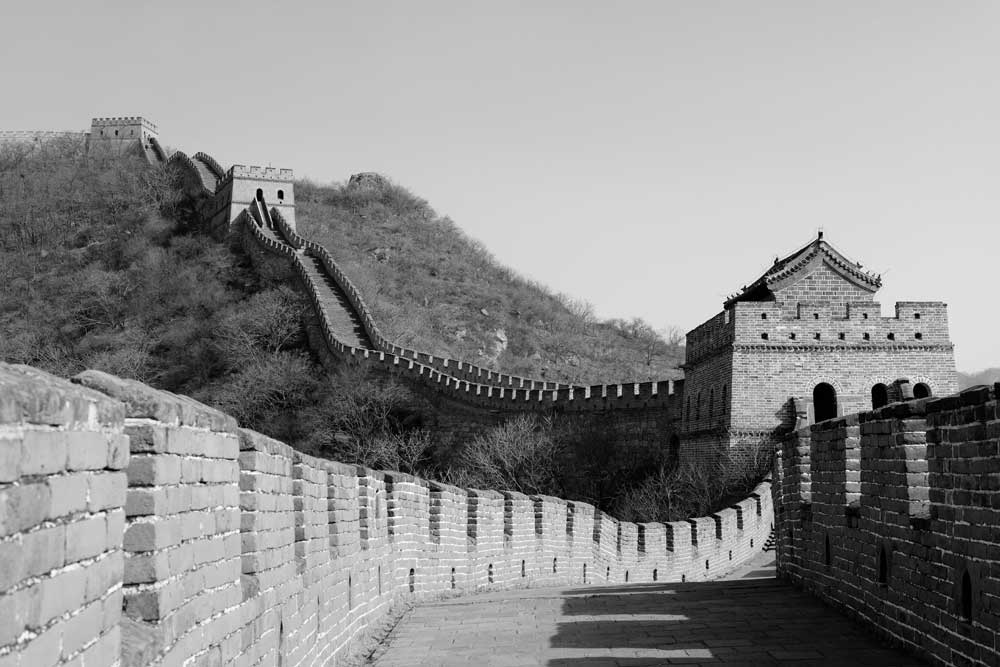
{"x":142,"y":401}
{"x":484,"y":493}
{"x":449,"y":488}
{"x":32,"y":396}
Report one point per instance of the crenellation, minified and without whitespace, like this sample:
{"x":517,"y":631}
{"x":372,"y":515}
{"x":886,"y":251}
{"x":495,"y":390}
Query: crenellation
{"x":902,"y":509}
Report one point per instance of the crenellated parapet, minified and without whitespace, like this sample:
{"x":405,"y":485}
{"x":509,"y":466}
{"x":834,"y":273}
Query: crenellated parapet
{"x":200,"y":541}
{"x":515,"y":395}
{"x":876,"y":509}
{"x":119,"y":121}
{"x":257,"y":173}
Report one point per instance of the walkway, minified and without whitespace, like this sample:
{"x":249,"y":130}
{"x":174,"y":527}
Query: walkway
{"x":750,"y":619}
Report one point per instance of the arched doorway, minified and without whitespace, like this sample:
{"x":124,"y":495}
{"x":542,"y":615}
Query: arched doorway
{"x":880,"y":396}
{"x":824,"y":401}
{"x":921,"y":390}
{"x":260,"y":194}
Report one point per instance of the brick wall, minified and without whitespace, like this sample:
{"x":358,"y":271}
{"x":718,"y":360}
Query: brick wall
{"x":223,"y":546}
{"x":62,"y":498}
{"x":892,"y":516}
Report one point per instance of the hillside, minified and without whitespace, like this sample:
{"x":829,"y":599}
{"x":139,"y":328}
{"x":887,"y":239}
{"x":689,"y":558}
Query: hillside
{"x":433,"y":288}
{"x":104,"y":266}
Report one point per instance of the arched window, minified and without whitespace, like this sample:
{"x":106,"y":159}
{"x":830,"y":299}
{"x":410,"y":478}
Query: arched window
{"x":880,"y":396}
{"x":921,"y":390}
{"x":260,"y":195}
{"x":281,"y":194}
{"x":824,"y":401}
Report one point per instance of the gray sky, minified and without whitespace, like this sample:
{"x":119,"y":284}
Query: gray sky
{"x":649,"y":157}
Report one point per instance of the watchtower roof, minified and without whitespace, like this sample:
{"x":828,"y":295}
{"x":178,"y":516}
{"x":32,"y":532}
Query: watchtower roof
{"x":787,"y":270}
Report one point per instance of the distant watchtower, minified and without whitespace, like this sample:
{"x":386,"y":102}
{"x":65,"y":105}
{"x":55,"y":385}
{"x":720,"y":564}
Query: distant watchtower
{"x":120,"y":133}
{"x":807,"y":341}
{"x":241,"y":185}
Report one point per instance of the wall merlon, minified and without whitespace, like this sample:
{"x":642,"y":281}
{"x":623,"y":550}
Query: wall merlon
{"x":123,"y":120}
{"x":887,"y":498}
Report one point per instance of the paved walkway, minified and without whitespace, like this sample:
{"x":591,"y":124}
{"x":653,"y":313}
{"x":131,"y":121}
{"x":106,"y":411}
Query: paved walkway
{"x":749,"y":619}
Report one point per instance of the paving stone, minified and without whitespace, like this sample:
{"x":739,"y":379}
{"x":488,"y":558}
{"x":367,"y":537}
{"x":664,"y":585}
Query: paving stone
{"x":749,"y":619}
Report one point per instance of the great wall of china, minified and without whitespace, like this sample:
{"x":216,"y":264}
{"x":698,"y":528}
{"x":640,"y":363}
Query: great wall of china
{"x":145,"y":527}
{"x":139,"y":527}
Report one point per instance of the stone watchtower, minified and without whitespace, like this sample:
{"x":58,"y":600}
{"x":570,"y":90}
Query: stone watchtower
{"x":121,"y":133}
{"x":807,"y":340}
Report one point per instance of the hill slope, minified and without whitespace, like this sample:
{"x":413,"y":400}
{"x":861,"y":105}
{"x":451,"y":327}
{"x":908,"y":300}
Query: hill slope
{"x":434,"y":289}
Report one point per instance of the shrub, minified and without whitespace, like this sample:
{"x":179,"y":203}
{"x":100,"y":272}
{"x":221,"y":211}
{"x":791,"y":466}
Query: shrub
{"x":697,"y":490}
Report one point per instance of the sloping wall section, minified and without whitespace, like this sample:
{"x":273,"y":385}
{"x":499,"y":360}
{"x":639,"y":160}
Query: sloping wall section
{"x":143,"y":528}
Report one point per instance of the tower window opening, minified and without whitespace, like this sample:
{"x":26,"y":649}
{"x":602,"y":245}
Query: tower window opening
{"x":891,"y":336}
{"x":763,"y":316}
{"x":763,"y":336}
{"x":116,"y":133}
{"x":825,"y":401}
{"x":260,"y":194}
{"x":281,"y":194}
{"x":880,"y":396}
{"x":841,"y":335}
{"x":864,"y":316}
{"x":918,"y":336}
{"x":866,"y":336}
{"x":815,"y":316}
{"x":791,"y":336}
{"x":916,"y":316}
{"x":816,"y":336}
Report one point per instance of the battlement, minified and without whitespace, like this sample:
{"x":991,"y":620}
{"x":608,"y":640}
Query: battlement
{"x":772,"y":323}
{"x":258,"y":173}
{"x":124,"y":120}
{"x":24,"y":136}
{"x":197,"y":539}
{"x":878,"y":507}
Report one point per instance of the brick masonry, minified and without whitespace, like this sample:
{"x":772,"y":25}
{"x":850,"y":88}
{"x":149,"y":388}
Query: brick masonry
{"x":892,"y":516}
{"x":138,"y":527}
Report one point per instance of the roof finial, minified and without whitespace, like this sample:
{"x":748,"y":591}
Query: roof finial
{"x":820,"y":235}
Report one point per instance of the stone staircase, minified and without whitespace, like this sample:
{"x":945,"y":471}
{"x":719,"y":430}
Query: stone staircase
{"x":771,"y":541}
{"x":208,"y":178}
{"x":344,"y":321}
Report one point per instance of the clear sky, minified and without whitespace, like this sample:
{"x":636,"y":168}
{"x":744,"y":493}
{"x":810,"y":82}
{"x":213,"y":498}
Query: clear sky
{"x":649,"y":157}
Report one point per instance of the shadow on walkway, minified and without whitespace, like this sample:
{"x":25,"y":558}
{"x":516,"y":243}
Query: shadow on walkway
{"x":751,"y":622}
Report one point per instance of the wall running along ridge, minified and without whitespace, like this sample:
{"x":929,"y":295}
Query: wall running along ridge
{"x":892,"y":516}
{"x":494,"y":391}
{"x":138,"y":527}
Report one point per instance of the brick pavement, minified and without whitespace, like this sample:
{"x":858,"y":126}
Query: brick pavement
{"x":750,"y":619}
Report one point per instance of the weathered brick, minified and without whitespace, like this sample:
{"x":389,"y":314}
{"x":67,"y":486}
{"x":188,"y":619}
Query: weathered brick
{"x":86,"y":538}
{"x":23,"y":506}
{"x":43,"y":452}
